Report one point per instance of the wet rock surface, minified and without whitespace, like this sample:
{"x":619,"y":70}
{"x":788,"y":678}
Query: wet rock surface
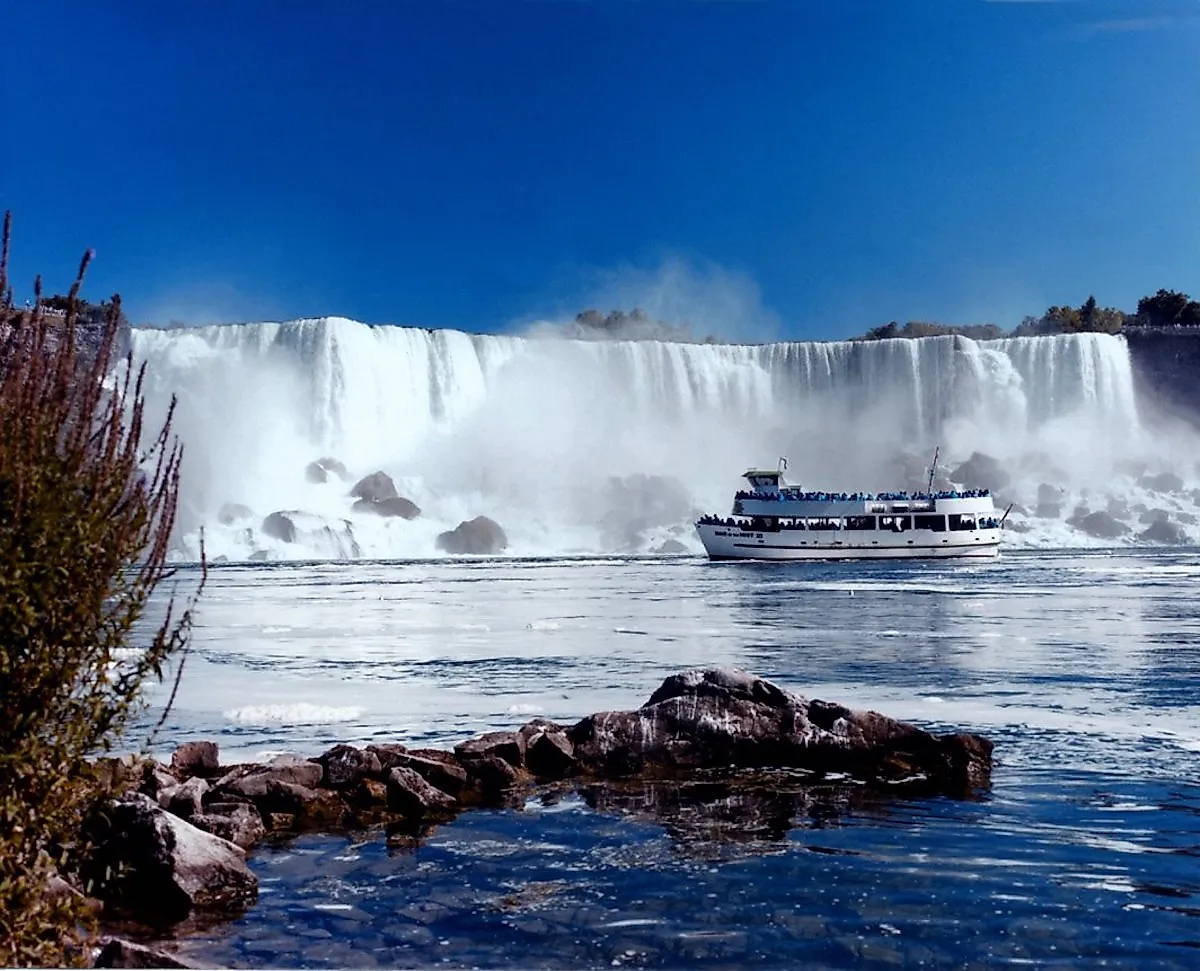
{"x":394,"y":507}
{"x":721,"y":748}
{"x":375,"y":487}
{"x":480,"y":536}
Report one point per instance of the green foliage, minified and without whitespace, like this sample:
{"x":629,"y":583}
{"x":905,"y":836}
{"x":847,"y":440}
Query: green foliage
{"x":922,"y":328}
{"x":87,"y":503}
{"x":1168,"y":308}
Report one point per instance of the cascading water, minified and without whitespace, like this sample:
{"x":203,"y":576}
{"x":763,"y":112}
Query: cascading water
{"x":609,"y":446}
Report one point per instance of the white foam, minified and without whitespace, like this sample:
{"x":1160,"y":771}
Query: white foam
{"x":296,"y":713}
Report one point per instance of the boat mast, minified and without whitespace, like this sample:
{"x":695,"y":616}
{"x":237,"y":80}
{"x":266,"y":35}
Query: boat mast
{"x":933,"y":470}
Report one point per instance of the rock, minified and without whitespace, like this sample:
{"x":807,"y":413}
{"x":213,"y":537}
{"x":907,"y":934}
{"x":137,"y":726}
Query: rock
{"x":1049,"y":493}
{"x":159,"y":868}
{"x":491,"y":776}
{"x":721,"y":718}
{"x":480,"y":536}
{"x":447,"y":776}
{"x":239,"y":823}
{"x":1048,"y":510}
{"x":981,"y":471}
{"x":188,"y":799}
{"x":375,"y":487}
{"x":368,"y":794}
{"x":386,"y":752}
{"x":415,"y":798}
{"x":345,"y":765}
{"x":1163,"y":531}
{"x":396,"y":506}
{"x":550,"y":755}
{"x":156,"y":780}
{"x":195,"y":758}
{"x":1079,"y":514}
{"x":319,"y":470}
{"x":670,"y":547}
{"x":1187,"y":518}
{"x":1163,"y":482}
{"x":119,"y":953}
{"x":232,"y":512}
{"x":1118,"y":508}
{"x":120,"y":775}
{"x":279,"y":526}
{"x":1102,"y":526}
{"x":252,"y":782}
{"x":509,"y":746}
{"x":1154,"y":516}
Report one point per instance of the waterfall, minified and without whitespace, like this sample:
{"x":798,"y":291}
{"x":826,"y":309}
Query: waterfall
{"x":545,"y":434}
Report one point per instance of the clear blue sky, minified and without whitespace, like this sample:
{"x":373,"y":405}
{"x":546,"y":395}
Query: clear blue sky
{"x":822,"y":165}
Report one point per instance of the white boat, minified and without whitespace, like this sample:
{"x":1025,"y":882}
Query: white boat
{"x":775,"y":521}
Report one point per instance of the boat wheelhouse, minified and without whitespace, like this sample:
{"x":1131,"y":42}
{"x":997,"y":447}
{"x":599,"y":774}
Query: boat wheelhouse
{"x":775,"y":521}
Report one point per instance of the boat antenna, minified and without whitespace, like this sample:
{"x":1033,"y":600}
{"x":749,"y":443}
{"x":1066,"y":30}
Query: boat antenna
{"x":1005,"y":516}
{"x":933,"y":470}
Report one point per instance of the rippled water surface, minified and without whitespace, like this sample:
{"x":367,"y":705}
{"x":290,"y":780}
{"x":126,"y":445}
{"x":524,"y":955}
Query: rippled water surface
{"x":1084,"y":668}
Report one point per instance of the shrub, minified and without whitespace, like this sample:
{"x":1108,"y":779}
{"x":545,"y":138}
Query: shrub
{"x":87,"y":504}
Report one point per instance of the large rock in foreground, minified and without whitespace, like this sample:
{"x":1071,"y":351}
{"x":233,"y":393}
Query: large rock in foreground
{"x":159,"y":868}
{"x":729,"y":719}
{"x":479,"y":535}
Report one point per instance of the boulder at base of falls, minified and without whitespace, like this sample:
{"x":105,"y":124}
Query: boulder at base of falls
{"x":232,"y":512}
{"x":723,"y":718}
{"x":670,"y":547}
{"x":1163,"y":482}
{"x":1101,"y":525}
{"x":375,"y":487}
{"x":320,"y":470}
{"x":280,"y":526}
{"x":158,"y":869}
{"x":479,"y":535}
{"x":981,"y":471}
{"x":396,"y":506}
{"x":1166,"y":532}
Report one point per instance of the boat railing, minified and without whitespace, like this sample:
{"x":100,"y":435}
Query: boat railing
{"x":796,"y":495}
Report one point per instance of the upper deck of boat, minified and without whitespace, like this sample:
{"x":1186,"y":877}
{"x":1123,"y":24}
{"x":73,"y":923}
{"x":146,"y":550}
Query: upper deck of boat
{"x":770,"y":497}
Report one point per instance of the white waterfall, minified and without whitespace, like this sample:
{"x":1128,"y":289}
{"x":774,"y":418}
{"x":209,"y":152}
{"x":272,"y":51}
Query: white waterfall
{"x":534,"y":431}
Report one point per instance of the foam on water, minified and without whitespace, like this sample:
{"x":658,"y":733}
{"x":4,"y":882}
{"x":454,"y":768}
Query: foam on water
{"x":585,"y":447}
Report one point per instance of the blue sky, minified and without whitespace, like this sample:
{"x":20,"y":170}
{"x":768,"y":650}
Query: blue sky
{"x":801,"y":169}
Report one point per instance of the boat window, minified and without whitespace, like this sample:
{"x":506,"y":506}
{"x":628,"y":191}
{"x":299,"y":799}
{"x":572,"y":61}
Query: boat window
{"x":897,"y":524}
{"x":860,"y":522}
{"x":962,"y":521}
{"x":936,"y":523}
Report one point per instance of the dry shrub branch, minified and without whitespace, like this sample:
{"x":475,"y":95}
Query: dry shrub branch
{"x":87,"y":505}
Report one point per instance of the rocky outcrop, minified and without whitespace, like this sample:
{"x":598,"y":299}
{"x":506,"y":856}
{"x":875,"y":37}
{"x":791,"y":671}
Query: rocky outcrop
{"x":1163,"y":482}
{"x":1101,"y":525}
{"x":479,"y":535}
{"x":151,"y":864}
{"x":720,"y":718}
{"x":981,"y":471}
{"x":1166,"y":532}
{"x":700,"y":733}
{"x":319,"y":471}
{"x":115,"y":952}
{"x":279,"y":526}
{"x":670,"y":547}
{"x":375,"y":487}
{"x":395,"y":506}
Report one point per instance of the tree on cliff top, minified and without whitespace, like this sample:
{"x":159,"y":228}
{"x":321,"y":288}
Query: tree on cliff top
{"x":87,"y":503}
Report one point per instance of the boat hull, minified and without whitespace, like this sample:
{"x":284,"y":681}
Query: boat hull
{"x":733,"y":543}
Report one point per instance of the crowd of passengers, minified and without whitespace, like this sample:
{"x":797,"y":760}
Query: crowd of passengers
{"x":988,"y":522}
{"x":795,"y":495}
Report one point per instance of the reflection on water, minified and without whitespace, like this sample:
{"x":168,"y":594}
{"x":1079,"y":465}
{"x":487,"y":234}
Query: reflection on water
{"x":1083,"y":668}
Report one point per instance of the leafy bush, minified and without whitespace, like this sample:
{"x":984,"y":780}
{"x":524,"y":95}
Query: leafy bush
{"x":87,"y":503}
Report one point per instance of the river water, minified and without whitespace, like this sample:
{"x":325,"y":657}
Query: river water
{"x":1082,"y":666}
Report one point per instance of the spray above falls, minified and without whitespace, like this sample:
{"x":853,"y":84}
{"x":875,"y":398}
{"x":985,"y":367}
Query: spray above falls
{"x":592,"y":447}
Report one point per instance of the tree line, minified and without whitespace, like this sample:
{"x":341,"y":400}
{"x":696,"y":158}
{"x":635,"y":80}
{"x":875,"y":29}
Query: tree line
{"x":1166,"y":308}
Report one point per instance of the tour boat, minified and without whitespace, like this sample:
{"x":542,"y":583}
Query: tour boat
{"x":775,"y":521}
